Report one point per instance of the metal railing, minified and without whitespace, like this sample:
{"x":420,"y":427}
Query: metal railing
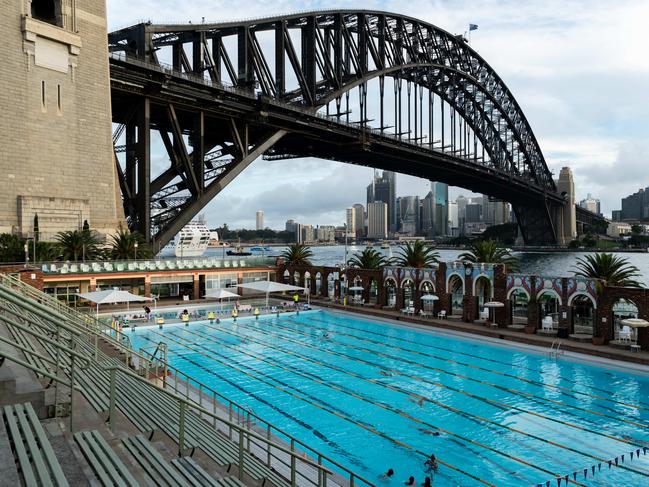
{"x":245,"y":435}
{"x":209,"y":399}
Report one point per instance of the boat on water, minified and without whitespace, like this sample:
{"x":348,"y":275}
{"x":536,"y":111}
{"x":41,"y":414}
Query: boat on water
{"x":385,"y":245}
{"x":192,"y":240}
{"x":238,"y":252}
{"x":258,"y":248}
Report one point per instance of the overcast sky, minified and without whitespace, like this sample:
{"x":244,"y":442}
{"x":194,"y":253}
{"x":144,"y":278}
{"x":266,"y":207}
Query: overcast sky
{"x":579,"y":70}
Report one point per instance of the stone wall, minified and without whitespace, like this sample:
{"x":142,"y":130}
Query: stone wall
{"x":55,"y":127}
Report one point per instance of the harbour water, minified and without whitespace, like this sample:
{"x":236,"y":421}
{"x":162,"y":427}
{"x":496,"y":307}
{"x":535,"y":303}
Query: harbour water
{"x":535,"y":263}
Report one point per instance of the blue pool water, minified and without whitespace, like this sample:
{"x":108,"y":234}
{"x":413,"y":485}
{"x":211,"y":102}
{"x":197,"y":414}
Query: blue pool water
{"x":376,"y":396}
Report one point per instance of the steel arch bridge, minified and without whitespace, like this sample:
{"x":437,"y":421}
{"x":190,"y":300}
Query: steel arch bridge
{"x":371,"y":88}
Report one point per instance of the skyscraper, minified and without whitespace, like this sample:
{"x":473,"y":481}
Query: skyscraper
{"x":440,"y":193}
{"x":428,"y":215}
{"x":360,"y":220}
{"x":591,"y":204}
{"x":350,"y":220}
{"x":409,"y":215}
{"x":377,"y":220}
{"x":260,"y":220}
{"x":384,"y":188}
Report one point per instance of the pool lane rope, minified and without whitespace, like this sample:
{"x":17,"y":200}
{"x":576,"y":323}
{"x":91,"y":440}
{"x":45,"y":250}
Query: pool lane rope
{"x":436,"y":369}
{"x":450,"y":408}
{"x":371,"y":430}
{"x":417,"y":352}
{"x":458,"y":352}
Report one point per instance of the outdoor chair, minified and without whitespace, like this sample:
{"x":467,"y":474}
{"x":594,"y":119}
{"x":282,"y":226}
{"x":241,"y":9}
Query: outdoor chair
{"x":484,"y":314}
{"x":442,"y":314}
{"x":625,"y":334}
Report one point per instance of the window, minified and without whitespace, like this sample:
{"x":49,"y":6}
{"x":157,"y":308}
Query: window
{"x":58,"y":97}
{"x":46,"y":11}
{"x":43,"y":105}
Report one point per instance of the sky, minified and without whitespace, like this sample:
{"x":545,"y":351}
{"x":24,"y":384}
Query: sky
{"x":578,"y":69}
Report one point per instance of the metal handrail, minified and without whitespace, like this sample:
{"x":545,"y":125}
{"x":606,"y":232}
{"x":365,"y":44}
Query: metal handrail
{"x":244,"y":414}
{"x":242,"y":432}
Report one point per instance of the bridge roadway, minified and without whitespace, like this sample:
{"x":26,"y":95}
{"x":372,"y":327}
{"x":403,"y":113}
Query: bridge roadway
{"x":299,"y":132}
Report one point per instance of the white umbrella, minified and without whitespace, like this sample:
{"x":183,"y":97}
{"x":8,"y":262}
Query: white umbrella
{"x":112,"y":296}
{"x":270,"y":287}
{"x":429,"y":297}
{"x":356,"y":288}
{"x":220,"y":294}
{"x":493,"y":305}
{"x":635,"y":322}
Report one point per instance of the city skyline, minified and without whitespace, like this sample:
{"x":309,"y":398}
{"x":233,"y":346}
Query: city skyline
{"x":557,"y":58}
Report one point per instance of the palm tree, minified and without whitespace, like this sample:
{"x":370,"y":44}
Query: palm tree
{"x":613,"y":270}
{"x":129,"y":245}
{"x":297,"y":254}
{"x":369,"y":258}
{"x":77,"y":244}
{"x":487,"y":251}
{"x":417,"y":254}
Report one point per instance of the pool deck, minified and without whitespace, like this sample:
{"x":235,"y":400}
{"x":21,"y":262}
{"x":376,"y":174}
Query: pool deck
{"x":603,"y":351}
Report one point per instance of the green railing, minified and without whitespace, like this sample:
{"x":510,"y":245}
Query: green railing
{"x":244,"y":435}
{"x":209,"y":399}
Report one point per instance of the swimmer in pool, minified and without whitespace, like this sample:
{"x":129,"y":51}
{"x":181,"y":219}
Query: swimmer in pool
{"x":387,"y":474}
{"x":431,"y":463}
{"x":411,"y":481}
{"x":418,"y":402}
{"x":429,"y":432}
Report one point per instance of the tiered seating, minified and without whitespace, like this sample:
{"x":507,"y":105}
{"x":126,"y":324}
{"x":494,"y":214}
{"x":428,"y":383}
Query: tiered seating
{"x":37,"y":463}
{"x":147,"y":407}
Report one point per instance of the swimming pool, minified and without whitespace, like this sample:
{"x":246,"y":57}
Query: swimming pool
{"x":376,"y":396}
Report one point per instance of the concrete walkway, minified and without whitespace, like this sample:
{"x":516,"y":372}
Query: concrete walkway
{"x":604,"y":351}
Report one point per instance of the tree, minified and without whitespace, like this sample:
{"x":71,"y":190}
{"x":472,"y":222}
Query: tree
{"x":487,"y":251}
{"x":589,"y":241}
{"x":417,"y":254}
{"x":123,"y":246}
{"x":12,"y":248}
{"x":77,"y":244}
{"x":574,"y":244}
{"x":613,"y":270}
{"x":369,"y":258}
{"x":505,"y":233}
{"x":297,"y":254}
{"x":636,"y":229}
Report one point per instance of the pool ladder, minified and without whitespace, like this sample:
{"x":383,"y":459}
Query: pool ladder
{"x":555,"y":349}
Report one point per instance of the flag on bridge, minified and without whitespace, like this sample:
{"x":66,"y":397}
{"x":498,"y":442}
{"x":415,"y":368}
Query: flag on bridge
{"x":473,"y":27}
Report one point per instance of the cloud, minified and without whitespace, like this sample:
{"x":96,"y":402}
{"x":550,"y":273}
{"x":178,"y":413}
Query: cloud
{"x":578,"y":68}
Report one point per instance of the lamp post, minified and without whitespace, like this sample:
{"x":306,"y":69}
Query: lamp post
{"x":135,"y":246}
{"x":26,"y":247}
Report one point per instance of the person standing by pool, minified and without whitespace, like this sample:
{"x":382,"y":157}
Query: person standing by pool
{"x":210,"y":316}
{"x":147,"y":313}
{"x":185,"y":317}
{"x":296,"y":300}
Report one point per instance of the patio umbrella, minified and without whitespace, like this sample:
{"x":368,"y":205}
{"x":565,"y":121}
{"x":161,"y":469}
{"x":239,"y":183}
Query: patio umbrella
{"x":270,"y":287}
{"x":635,"y":323}
{"x":429,"y":297}
{"x":112,"y":296}
{"x":220,"y":294}
{"x":493,"y":305}
{"x":356,"y":288}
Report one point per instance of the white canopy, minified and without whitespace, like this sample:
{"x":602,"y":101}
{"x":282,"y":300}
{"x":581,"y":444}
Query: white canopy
{"x":270,"y":287}
{"x":112,"y":296}
{"x":220,"y":294}
{"x":429,"y":297}
{"x":494,"y":304}
{"x":635,"y":322}
{"x":356,"y":288}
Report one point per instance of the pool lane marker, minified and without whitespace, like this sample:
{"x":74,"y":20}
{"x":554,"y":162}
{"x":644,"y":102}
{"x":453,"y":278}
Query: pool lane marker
{"x":450,"y":408}
{"x":417,"y":352}
{"x":383,"y":335}
{"x":211,"y":354}
{"x":436,"y":369}
{"x":353,"y":459}
{"x":312,"y":378}
{"x":371,"y":430}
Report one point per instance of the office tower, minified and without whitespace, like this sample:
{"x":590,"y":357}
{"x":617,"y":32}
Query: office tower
{"x":260,"y":220}
{"x":428,"y":215}
{"x":350,"y":220}
{"x":384,"y":188}
{"x":473,"y":213}
{"x":591,"y":204}
{"x":635,"y":207}
{"x":326,"y":233}
{"x":360,"y":220}
{"x":307,"y":234}
{"x":408,"y":215}
{"x":377,"y":220}
{"x":440,"y":193}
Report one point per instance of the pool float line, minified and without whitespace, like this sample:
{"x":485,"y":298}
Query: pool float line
{"x":371,"y":430}
{"x":307,"y":426}
{"x":562,"y":390}
{"x":312,"y":378}
{"x":453,"y":374}
{"x":531,"y":369}
{"x":417,"y":352}
{"x":451,"y":408}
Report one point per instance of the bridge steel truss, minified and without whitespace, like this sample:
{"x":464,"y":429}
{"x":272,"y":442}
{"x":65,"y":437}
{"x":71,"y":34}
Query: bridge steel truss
{"x":280,"y":87}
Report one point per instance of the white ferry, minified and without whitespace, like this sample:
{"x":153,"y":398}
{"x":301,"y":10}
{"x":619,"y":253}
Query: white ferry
{"x":192,"y":240}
